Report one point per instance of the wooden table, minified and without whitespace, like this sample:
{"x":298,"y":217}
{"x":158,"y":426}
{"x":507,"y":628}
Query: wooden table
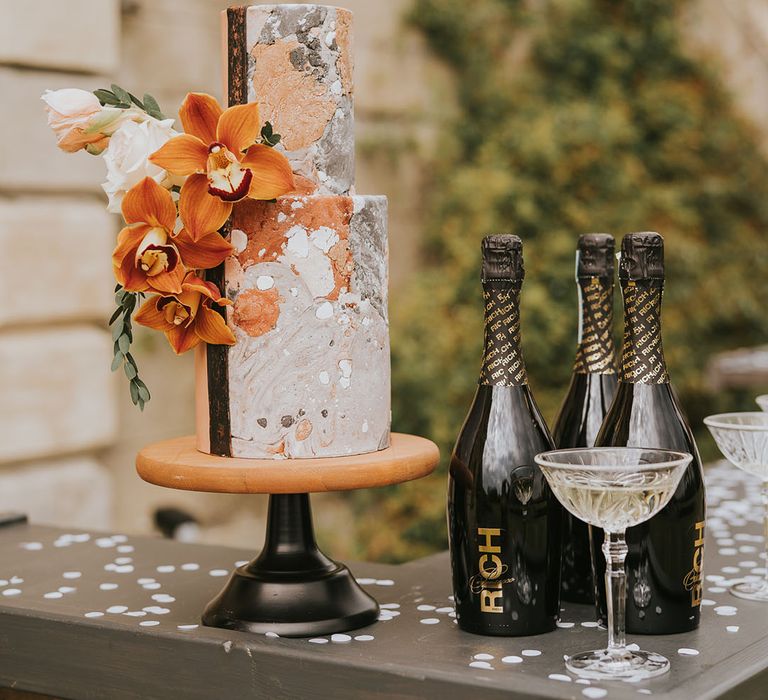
{"x":91,"y":640}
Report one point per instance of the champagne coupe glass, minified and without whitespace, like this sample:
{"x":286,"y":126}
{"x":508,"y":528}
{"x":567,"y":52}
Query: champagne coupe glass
{"x":743,"y":439}
{"x":614,"y":488}
{"x":762,"y":401}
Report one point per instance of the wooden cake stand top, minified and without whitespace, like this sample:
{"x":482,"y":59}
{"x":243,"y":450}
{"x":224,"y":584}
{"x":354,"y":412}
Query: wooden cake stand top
{"x":177,"y":464}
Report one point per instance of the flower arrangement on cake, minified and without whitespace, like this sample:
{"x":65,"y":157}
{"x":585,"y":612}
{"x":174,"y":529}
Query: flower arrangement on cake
{"x":175,"y":192}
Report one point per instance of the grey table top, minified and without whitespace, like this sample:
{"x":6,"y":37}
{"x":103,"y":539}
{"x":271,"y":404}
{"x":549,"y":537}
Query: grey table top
{"x":90,"y":615}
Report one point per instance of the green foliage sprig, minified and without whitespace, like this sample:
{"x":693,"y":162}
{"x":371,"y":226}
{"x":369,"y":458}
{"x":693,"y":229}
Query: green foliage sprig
{"x":269,"y":137}
{"x":122,"y":99}
{"x":122,"y":336}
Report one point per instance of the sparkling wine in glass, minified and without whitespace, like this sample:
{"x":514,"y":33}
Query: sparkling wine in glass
{"x":614,"y":488}
{"x":743,"y":439}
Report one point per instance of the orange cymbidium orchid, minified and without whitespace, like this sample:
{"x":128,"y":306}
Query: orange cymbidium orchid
{"x":149,"y":256}
{"x":219,"y":149}
{"x":145,"y":258}
{"x":187,"y":318}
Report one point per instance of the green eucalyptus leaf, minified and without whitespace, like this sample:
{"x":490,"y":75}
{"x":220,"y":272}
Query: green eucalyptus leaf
{"x":151,"y":107}
{"x":143,"y":391}
{"x":118,"y":313}
{"x":130,"y":370}
{"x":116,"y":362}
{"x":122,"y":95}
{"x":134,"y":393}
{"x":124,"y":342}
{"x":117,"y":331}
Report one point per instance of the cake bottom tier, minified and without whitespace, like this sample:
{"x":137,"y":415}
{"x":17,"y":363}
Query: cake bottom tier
{"x":309,"y":375}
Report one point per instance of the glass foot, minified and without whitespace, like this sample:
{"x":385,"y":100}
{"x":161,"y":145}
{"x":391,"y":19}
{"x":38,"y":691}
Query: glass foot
{"x":750,"y":590}
{"x":612,"y":665}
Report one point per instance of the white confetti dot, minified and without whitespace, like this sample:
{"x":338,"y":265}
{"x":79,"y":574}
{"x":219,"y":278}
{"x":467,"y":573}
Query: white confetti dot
{"x":480,"y":664}
{"x":117,"y":609}
{"x":142,"y":581}
{"x":11,"y":592}
{"x":110,"y":567}
{"x":155,"y":610}
{"x":594,"y":692}
{"x":53,"y":595}
{"x":483,"y":657}
{"x":124,"y":569}
{"x":149,"y":623}
{"x":565,"y":625}
{"x":389,"y":606}
{"x":119,"y":538}
{"x":108,"y":586}
{"x":264,"y":282}
{"x":187,"y":627}
{"x":218,"y":572}
{"x":125,"y":548}
{"x":728,"y":551}
{"x":103,"y":542}
{"x":72,"y":574}
{"x":730,"y":569}
{"x":151,"y":586}
{"x":365,"y":581}
{"x":590,"y":623}
{"x":166,"y":569}
{"x":341,"y":638}
{"x":685,"y":651}
{"x":190,"y":566}
{"x":644,"y":691}
{"x":732,"y":628}
{"x":560,"y":677}
{"x":726,"y":610}
{"x":135,"y":613}
{"x":31,"y":546}
{"x":531,"y":652}
{"x":241,"y":562}
{"x":271,"y":635}
{"x":425,"y":608}
{"x":444,"y":610}
{"x":429,"y":621}
{"x":95,"y":613}
{"x":364,"y":638}
{"x":716,"y":589}
{"x":511,"y":660}
{"x":708,"y":601}
{"x":123,"y":560}
{"x":318,"y":640}
{"x":67,"y":589}
{"x":385,"y":582}
{"x":163,"y":598}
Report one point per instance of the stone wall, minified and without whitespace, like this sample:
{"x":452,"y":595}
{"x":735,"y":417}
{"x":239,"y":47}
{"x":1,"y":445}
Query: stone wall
{"x":58,"y":409}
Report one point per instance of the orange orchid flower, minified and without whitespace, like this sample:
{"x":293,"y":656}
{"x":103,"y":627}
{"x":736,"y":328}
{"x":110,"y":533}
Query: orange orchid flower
{"x":148,"y":256}
{"x":187,"y":318}
{"x":145,"y":259}
{"x":219,"y":150}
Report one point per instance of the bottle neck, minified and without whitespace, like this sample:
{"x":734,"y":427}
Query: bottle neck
{"x":642,"y":357}
{"x":596,"y":353}
{"x":503,"y":363}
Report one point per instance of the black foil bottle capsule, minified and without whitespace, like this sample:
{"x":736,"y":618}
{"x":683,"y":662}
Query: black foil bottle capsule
{"x":664,"y":583}
{"x":504,"y":523}
{"x":589,"y":395}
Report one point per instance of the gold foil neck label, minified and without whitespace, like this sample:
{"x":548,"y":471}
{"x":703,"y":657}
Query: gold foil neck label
{"x":502,"y":358}
{"x":596,"y":351}
{"x":642,"y":358}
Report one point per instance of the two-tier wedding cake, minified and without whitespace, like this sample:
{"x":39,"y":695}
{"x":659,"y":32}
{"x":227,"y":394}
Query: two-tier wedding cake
{"x":309,"y":374}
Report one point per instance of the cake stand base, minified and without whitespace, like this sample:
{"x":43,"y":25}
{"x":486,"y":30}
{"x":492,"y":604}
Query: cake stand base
{"x":291,"y":588}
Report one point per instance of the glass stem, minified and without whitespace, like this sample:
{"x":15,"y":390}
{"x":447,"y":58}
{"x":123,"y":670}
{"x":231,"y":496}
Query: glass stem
{"x":765,"y":535}
{"x":615,"y":550}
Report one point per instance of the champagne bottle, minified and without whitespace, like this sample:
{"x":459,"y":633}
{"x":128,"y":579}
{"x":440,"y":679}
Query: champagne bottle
{"x":589,"y":395}
{"x":664,"y":582}
{"x":504,"y":523}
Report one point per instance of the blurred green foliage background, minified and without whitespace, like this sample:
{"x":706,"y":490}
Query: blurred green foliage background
{"x":583,"y":115}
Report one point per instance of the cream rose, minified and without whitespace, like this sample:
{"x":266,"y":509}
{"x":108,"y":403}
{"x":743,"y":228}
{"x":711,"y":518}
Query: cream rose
{"x":79,"y":121}
{"x":127,"y":157}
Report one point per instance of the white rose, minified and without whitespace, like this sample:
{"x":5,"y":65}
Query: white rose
{"x":127,"y":158}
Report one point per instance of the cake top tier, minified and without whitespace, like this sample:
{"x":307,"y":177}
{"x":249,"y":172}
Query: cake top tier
{"x":297,"y":63}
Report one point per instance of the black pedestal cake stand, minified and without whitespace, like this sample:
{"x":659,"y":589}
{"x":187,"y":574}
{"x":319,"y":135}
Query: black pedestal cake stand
{"x":291,"y":588}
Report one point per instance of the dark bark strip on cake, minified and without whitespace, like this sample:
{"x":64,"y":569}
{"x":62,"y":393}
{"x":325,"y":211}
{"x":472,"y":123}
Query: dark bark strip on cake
{"x":218,"y":355}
